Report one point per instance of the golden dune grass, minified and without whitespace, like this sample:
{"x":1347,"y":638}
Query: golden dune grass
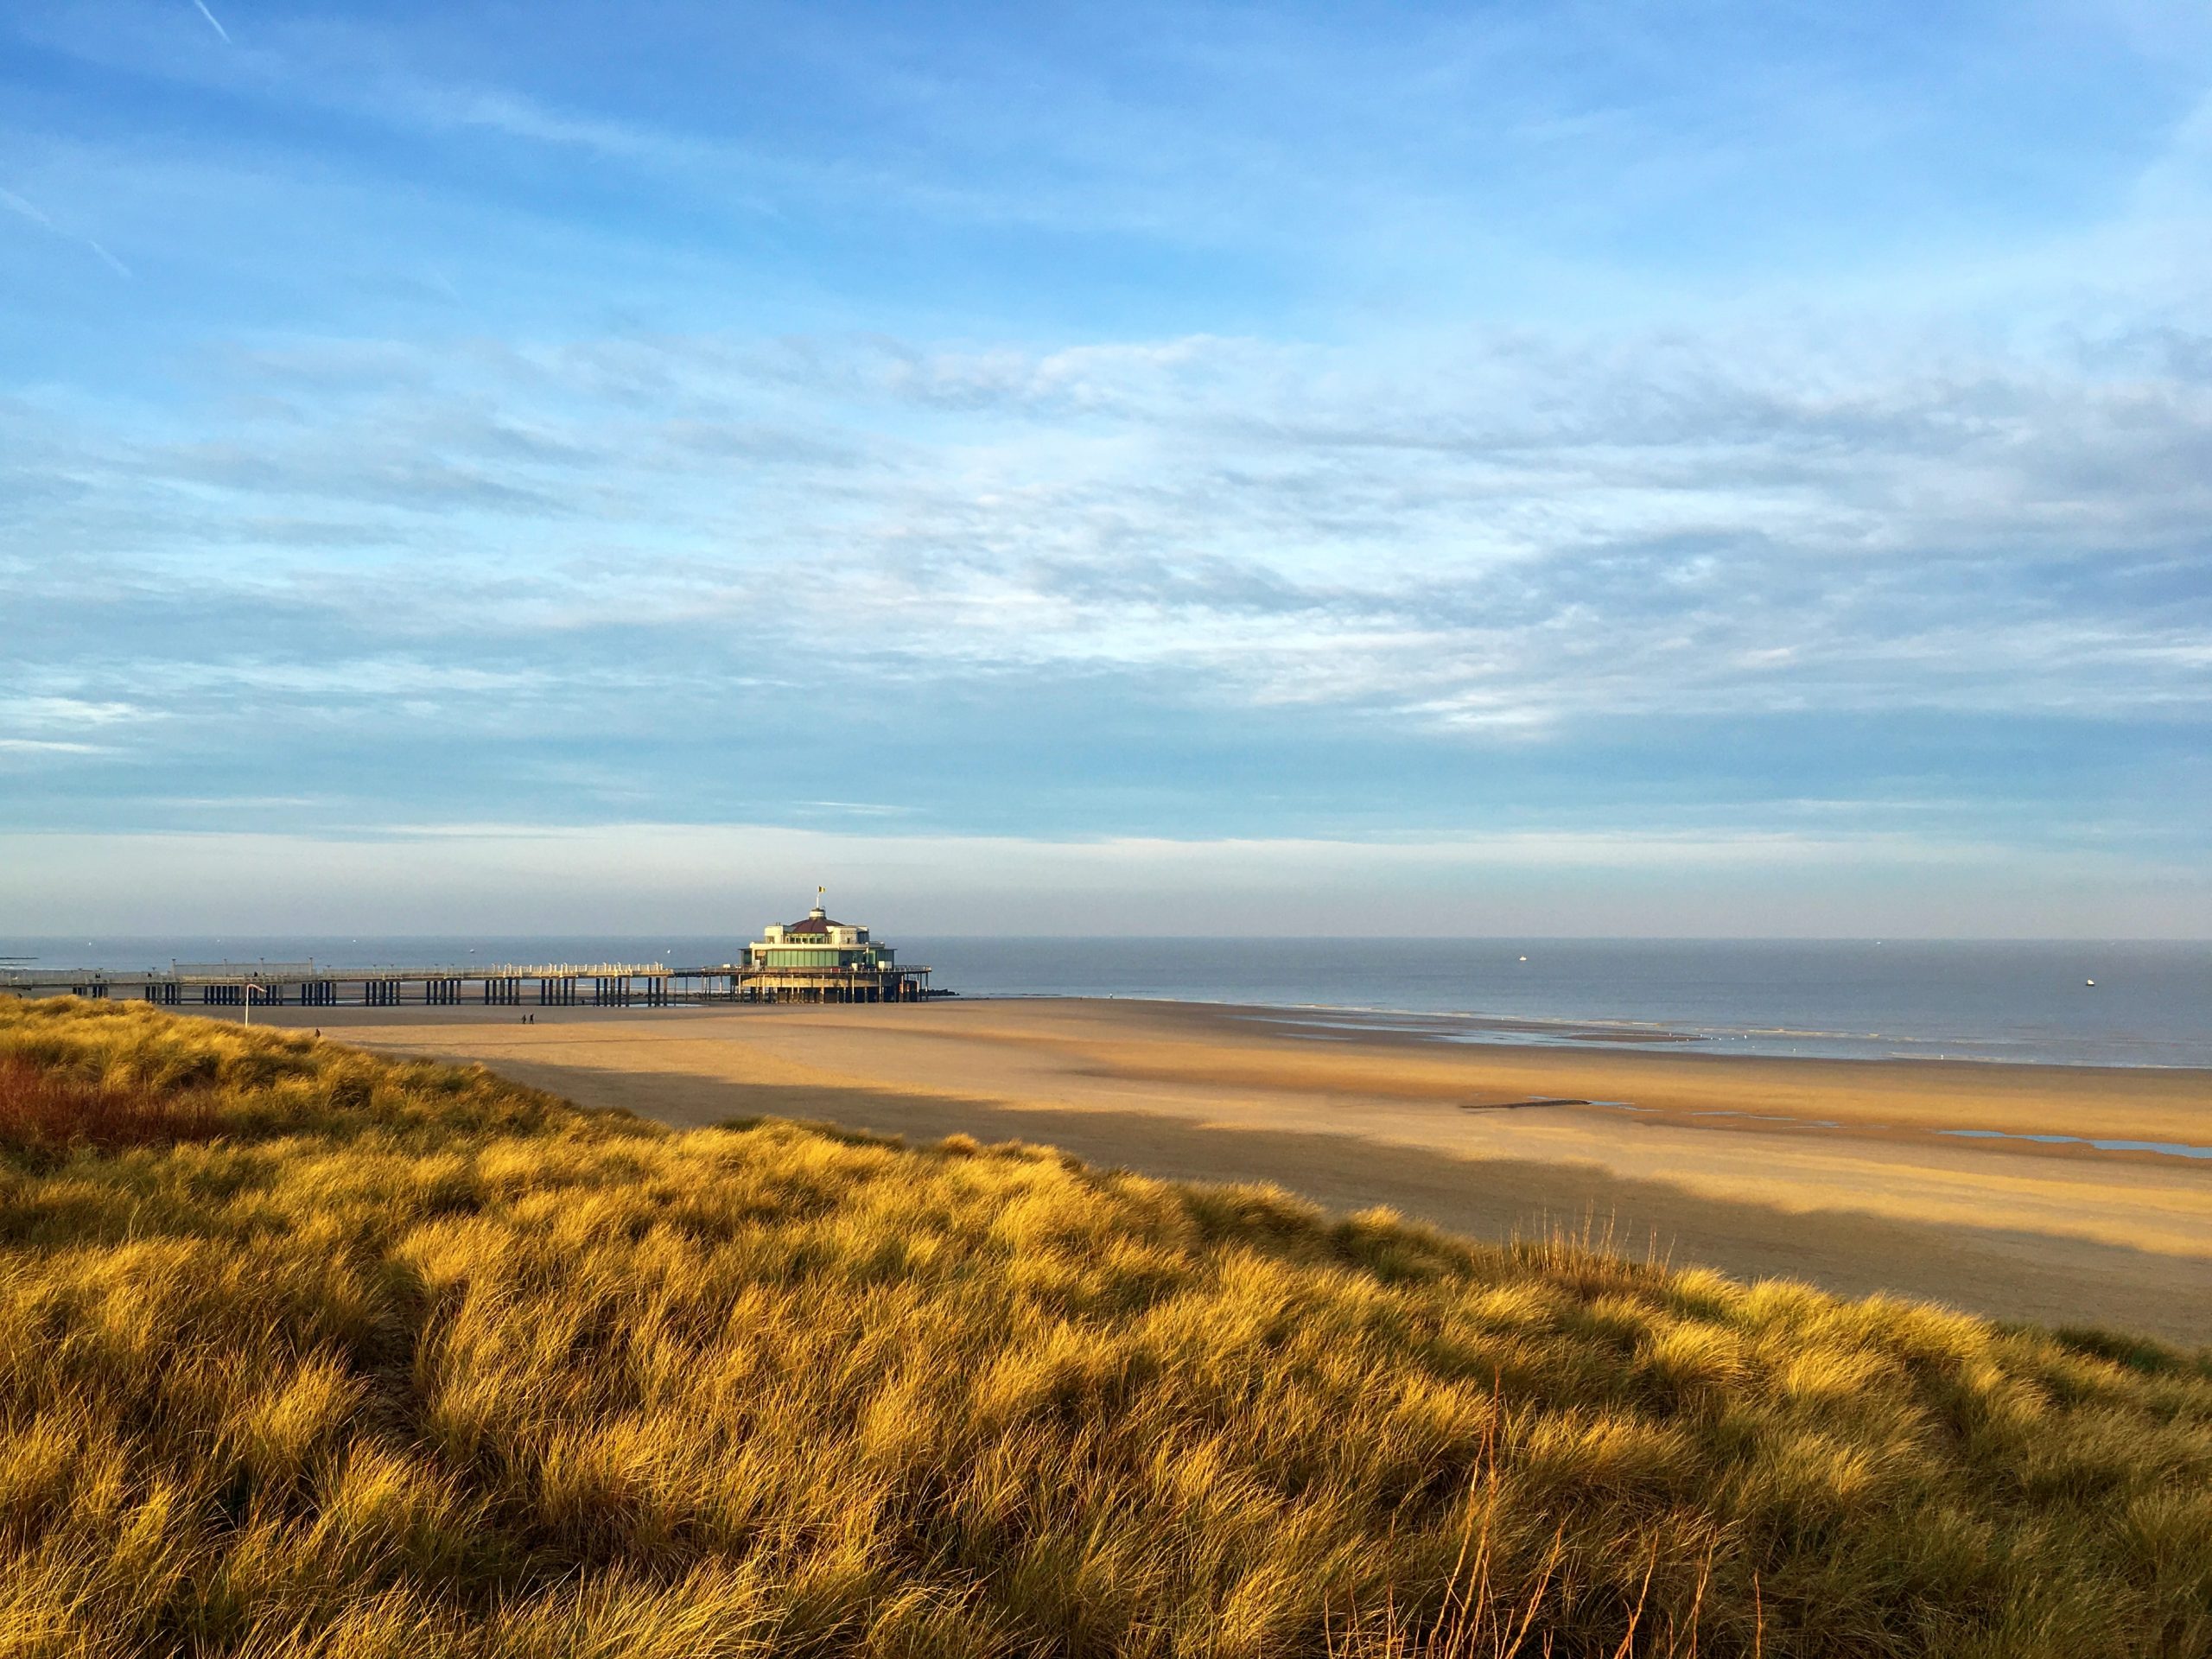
{"x":406,"y":1359}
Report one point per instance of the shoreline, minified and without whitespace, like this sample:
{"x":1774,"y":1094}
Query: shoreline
{"x":1553,"y":1034}
{"x":1562,"y":1031}
{"x":1714,"y":1166}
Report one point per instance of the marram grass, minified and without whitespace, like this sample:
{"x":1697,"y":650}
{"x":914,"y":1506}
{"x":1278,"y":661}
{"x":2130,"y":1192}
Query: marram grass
{"x":304,"y":1352}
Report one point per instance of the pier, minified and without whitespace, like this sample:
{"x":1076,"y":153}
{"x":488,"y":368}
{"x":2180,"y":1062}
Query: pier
{"x":811,"y":960}
{"x":514,"y":985}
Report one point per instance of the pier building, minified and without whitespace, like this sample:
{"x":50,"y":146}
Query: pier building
{"x":817,"y":960}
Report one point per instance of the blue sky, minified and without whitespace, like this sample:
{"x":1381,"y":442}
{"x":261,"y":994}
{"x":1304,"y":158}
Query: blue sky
{"x":1576,"y":469}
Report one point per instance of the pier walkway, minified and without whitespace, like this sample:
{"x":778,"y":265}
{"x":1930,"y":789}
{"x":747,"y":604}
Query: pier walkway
{"x":566,"y":984}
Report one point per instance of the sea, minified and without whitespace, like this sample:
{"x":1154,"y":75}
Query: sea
{"x":2058,"y":1002}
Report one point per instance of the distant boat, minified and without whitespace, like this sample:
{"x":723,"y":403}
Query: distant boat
{"x":2089,"y":981}
{"x":1524,"y":958}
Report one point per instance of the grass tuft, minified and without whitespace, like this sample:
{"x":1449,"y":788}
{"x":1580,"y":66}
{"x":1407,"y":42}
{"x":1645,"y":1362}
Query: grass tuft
{"x":47,"y":1111}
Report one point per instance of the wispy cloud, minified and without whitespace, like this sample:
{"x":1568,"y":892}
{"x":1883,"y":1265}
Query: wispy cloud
{"x":212,"y":21}
{"x":69,"y":711}
{"x":236,"y":802}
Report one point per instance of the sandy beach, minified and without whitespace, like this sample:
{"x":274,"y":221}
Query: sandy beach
{"x":1846,"y":1174}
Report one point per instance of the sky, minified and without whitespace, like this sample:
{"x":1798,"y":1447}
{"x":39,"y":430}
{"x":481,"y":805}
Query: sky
{"x":1579,"y":469}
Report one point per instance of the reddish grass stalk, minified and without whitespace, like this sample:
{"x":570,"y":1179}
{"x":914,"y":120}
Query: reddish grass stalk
{"x":1628,"y":1637}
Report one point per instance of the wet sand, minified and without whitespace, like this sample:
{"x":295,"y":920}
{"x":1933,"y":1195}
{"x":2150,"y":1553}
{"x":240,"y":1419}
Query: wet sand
{"x":1828,"y":1171}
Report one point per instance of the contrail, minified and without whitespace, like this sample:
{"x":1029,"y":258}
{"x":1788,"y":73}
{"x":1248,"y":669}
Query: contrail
{"x":10,"y":199}
{"x":31,"y":211}
{"x":211,"y":18}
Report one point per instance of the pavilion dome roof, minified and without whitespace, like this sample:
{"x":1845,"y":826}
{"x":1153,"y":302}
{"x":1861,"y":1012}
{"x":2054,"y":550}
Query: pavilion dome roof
{"x":813,"y":922}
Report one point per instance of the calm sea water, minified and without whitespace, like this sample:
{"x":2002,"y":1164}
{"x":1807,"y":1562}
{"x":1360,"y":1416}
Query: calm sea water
{"x":2152,"y":1004}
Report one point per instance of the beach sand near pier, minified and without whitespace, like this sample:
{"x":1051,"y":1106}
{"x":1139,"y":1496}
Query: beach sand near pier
{"x":1837,"y":1173}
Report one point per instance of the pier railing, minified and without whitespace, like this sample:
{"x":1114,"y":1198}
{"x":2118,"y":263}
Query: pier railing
{"x":230,"y":972}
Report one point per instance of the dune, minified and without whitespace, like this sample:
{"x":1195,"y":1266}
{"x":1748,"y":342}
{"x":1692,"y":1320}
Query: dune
{"x":307,"y":1352}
